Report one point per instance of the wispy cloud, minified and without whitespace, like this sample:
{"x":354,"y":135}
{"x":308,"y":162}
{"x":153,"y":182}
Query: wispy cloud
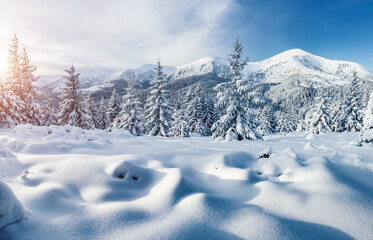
{"x":114,"y":34}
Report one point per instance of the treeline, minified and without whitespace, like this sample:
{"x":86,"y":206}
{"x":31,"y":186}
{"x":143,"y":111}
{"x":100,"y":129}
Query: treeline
{"x":238,"y":109}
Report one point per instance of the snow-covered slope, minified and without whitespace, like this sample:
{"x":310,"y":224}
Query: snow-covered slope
{"x":200,"y":67}
{"x":92,"y":184}
{"x":88,"y":78}
{"x":295,"y":65}
{"x":306,"y":68}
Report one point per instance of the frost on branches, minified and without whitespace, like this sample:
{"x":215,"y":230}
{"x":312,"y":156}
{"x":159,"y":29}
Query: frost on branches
{"x":234,"y":124}
{"x":72,"y":108}
{"x":158,"y":110}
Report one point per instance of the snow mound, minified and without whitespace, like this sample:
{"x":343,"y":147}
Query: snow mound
{"x":11,"y":210}
{"x":163,"y":188}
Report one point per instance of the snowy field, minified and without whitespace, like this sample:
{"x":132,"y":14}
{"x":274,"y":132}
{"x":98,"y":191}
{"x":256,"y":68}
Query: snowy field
{"x":72,"y":184}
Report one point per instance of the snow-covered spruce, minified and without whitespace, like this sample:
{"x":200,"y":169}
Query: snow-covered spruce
{"x":72,"y":108}
{"x":201,"y":112}
{"x":158,"y":110}
{"x":367,"y":132}
{"x":267,"y":121}
{"x":234,"y":124}
{"x":352,"y":119}
{"x":101,"y":117}
{"x":18,"y":93}
{"x":318,"y":119}
{"x":92,"y":110}
{"x":113,"y":109}
{"x":180,"y":126}
{"x":131,"y":116}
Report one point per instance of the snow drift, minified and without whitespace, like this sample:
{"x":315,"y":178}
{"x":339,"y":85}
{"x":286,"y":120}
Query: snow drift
{"x":11,"y":210}
{"x":164,"y":188}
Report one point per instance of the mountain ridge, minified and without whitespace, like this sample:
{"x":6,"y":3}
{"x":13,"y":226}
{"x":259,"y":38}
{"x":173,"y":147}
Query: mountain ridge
{"x":293,"y":64}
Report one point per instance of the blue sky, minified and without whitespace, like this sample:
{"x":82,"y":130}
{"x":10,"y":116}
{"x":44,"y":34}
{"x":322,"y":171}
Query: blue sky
{"x":334,"y":29}
{"x":118,"y":34}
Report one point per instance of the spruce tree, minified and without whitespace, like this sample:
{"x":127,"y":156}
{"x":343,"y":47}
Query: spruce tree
{"x":32,"y":108}
{"x":353,"y":119}
{"x":113,"y":109}
{"x":158,"y":110}
{"x":180,"y":127}
{"x":131,"y":116}
{"x":366,"y":134}
{"x":102,"y":122}
{"x":92,"y":110}
{"x":267,"y":121}
{"x":234,"y":124}
{"x":72,"y":108}
{"x":318,"y":119}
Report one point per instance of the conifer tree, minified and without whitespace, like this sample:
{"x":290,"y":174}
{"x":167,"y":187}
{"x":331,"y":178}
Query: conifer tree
{"x":366,"y":134}
{"x":234,"y":124}
{"x":32,"y":109}
{"x":158,"y":110}
{"x":72,"y":109}
{"x":48,"y":114}
{"x":180,"y":126}
{"x":131,"y":116}
{"x":267,"y":121}
{"x":92,"y":110}
{"x":318,"y":119}
{"x":353,"y":119}
{"x":113,"y":109}
{"x":102,"y":122}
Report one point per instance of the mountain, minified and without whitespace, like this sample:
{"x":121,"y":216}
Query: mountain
{"x":305,"y":69}
{"x":295,"y":67}
{"x":201,"y":66}
{"x":89,"y":77}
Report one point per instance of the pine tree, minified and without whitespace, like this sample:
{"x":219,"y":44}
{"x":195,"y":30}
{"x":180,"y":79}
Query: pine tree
{"x":353,"y":119}
{"x":267,"y":121}
{"x":158,"y":110}
{"x":180,"y":126}
{"x":366,"y":134}
{"x":32,"y":107}
{"x":234,"y":124}
{"x":48,"y":114}
{"x":102,"y":122}
{"x":131,"y":117}
{"x":284,"y":123}
{"x":113,"y":109}
{"x":72,"y":109}
{"x":318,"y":120}
{"x":92,"y":110}
{"x":13,"y":78}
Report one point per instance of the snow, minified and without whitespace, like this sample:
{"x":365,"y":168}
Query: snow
{"x":294,"y":64}
{"x":11,"y":210}
{"x":95,"y":184}
{"x":299,"y":65}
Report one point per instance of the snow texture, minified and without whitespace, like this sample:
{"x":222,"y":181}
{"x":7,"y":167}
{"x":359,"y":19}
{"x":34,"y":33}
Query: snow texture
{"x":114,"y":186}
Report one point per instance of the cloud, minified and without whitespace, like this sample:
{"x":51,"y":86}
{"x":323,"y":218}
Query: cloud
{"x":115,"y":34}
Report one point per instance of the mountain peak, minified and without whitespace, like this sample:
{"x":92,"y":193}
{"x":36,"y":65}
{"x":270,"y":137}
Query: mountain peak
{"x":295,"y":52}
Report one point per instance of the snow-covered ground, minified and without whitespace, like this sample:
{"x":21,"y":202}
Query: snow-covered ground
{"x":74,"y":184}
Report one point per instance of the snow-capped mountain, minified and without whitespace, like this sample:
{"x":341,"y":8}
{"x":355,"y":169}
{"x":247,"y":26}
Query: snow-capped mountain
{"x":306,"y":69}
{"x":88,"y":78}
{"x":295,"y":66}
{"x":201,"y":67}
